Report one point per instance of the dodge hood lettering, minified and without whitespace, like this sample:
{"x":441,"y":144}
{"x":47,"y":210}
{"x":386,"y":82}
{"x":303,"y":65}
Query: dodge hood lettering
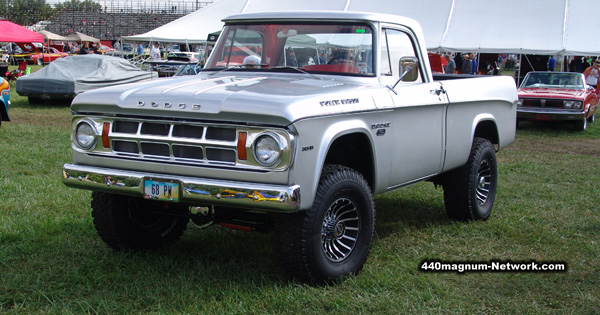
{"x":233,"y":98}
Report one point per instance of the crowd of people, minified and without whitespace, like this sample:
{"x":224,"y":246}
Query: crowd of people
{"x":467,"y":63}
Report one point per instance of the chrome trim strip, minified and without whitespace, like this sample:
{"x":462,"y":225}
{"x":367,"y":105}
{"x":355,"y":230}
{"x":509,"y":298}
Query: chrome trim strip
{"x":555,"y":114}
{"x":193,"y":190}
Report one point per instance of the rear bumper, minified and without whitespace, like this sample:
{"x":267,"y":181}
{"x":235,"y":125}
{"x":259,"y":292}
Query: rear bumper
{"x":547,"y":114}
{"x":198,"y":191}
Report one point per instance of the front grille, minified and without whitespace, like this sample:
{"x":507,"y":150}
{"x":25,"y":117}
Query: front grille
{"x":543,"y":103}
{"x":176,"y":142}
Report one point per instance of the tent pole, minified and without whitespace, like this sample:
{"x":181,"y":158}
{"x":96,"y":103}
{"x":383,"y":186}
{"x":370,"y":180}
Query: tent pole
{"x":519,"y":73}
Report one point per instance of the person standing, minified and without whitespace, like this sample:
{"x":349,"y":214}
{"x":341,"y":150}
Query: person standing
{"x":474,"y":69}
{"x":85,"y":48}
{"x":592,"y":74}
{"x":140,"y":49}
{"x":466,"y":66}
{"x":155,"y":52}
{"x":551,"y":63}
{"x":291,"y":58}
{"x":450,"y":66}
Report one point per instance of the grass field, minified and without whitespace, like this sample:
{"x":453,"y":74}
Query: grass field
{"x":52,"y":261}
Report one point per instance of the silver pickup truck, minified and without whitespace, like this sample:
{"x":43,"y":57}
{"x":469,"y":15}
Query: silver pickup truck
{"x":295,"y":122}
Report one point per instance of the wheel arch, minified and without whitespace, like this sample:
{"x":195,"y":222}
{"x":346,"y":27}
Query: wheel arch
{"x":353,"y":150}
{"x":485,"y":127}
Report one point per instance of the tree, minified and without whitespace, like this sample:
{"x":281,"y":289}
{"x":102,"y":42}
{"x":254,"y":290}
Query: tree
{"x":76,"y":5}
{"x":26,"y":12}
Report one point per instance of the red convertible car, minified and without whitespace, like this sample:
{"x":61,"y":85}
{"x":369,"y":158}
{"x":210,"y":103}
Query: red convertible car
{"x":33,"y":55}
{"x":50,"y":54}
{"x":556,"y":96}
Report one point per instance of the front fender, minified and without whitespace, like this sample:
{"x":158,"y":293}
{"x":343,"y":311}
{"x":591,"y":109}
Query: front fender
{"x":311,"y":155}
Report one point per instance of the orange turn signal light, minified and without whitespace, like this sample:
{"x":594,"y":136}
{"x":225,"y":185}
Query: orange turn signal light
{"x":241,"y":145}
{"x":105,"y":130}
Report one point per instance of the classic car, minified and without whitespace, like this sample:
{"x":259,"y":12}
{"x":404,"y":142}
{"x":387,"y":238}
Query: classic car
{"x":49,"y":54}
{"x":557,"y":96}
{"x":36,"y":54}
{"x":67,"y":77}
{"x":4,"y":100}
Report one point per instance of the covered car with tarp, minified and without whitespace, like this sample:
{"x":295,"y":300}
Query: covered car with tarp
{"x":67,"y":77}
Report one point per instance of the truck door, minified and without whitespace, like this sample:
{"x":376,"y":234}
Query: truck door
{"x":418,"y":110}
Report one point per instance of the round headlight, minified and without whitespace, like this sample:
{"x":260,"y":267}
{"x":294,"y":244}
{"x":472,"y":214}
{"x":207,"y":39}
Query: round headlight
{"x":267,"y":150}
{"x":85,"y":135}
{"x":568,"y":104}
{"x":577,"y":105}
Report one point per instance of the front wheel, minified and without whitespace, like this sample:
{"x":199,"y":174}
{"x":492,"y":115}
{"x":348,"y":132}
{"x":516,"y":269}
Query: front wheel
{"x":332,"y":239}
{"x":592,"y":118}
{"x":582,"y":124}
{"x":470,"y":190}
{"x":40,"y":62}
{"x":134,"y":223}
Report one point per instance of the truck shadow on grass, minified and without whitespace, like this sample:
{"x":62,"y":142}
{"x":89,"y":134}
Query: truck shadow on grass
{"x":415,"y":209}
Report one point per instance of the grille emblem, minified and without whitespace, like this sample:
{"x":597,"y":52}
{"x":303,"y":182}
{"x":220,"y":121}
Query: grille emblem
{"x":543,"y":103}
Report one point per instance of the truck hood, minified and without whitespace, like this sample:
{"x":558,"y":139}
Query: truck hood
{"x":270,"y":99}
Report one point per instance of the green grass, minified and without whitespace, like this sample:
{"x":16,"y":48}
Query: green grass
{"x":52,"y":261}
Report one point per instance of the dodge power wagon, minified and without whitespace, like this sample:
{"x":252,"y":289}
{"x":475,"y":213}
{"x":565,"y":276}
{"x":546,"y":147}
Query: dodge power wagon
{"x":295,"y":122}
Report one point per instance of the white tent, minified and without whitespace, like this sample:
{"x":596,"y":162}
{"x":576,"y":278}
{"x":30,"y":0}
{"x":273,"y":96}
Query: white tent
{"x":516,"y":26}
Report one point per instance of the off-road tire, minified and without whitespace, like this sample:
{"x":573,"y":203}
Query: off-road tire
{"x":127,"y":223}
{"x":309,"y":243}
{"x":470,"y":190}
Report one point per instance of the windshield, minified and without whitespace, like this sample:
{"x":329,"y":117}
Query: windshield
{"x":553,"y":80}
{"x":318,"y":48}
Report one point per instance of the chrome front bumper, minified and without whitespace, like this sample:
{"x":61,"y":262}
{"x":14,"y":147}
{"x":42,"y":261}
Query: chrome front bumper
{"x":531,"y":113}
{"x":192,"y":190}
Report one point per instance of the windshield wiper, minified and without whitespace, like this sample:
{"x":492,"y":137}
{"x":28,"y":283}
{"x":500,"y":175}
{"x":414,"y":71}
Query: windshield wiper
{"x":297,"y":69}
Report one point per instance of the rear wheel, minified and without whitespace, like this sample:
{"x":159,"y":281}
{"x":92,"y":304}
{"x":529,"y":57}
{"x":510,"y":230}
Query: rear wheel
{"x":133,"y":223}
{"x":470,"y":190}
{"x":331,"y":240}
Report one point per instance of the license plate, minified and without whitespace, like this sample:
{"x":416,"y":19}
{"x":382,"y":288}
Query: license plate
{"x":542,"y":116}
{"x":164,"y":191}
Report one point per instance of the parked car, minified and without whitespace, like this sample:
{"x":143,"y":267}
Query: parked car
{"x":4,"y":100}
{"x":557,"y":96}
{"x":67,"y":77}
{"x":49,"y":54}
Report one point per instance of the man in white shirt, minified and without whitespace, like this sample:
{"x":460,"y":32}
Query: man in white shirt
{"x":155,"y":53}
{"x":592,"y":74}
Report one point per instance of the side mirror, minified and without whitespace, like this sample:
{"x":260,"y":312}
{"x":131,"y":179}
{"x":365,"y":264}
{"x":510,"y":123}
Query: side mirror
{"x":409,"y":69}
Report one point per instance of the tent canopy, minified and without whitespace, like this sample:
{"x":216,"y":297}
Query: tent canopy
{"x":80,"y":37}
{"x":11,"y":32}
{"x":51,"y":36}
{"x":516,"y":26}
